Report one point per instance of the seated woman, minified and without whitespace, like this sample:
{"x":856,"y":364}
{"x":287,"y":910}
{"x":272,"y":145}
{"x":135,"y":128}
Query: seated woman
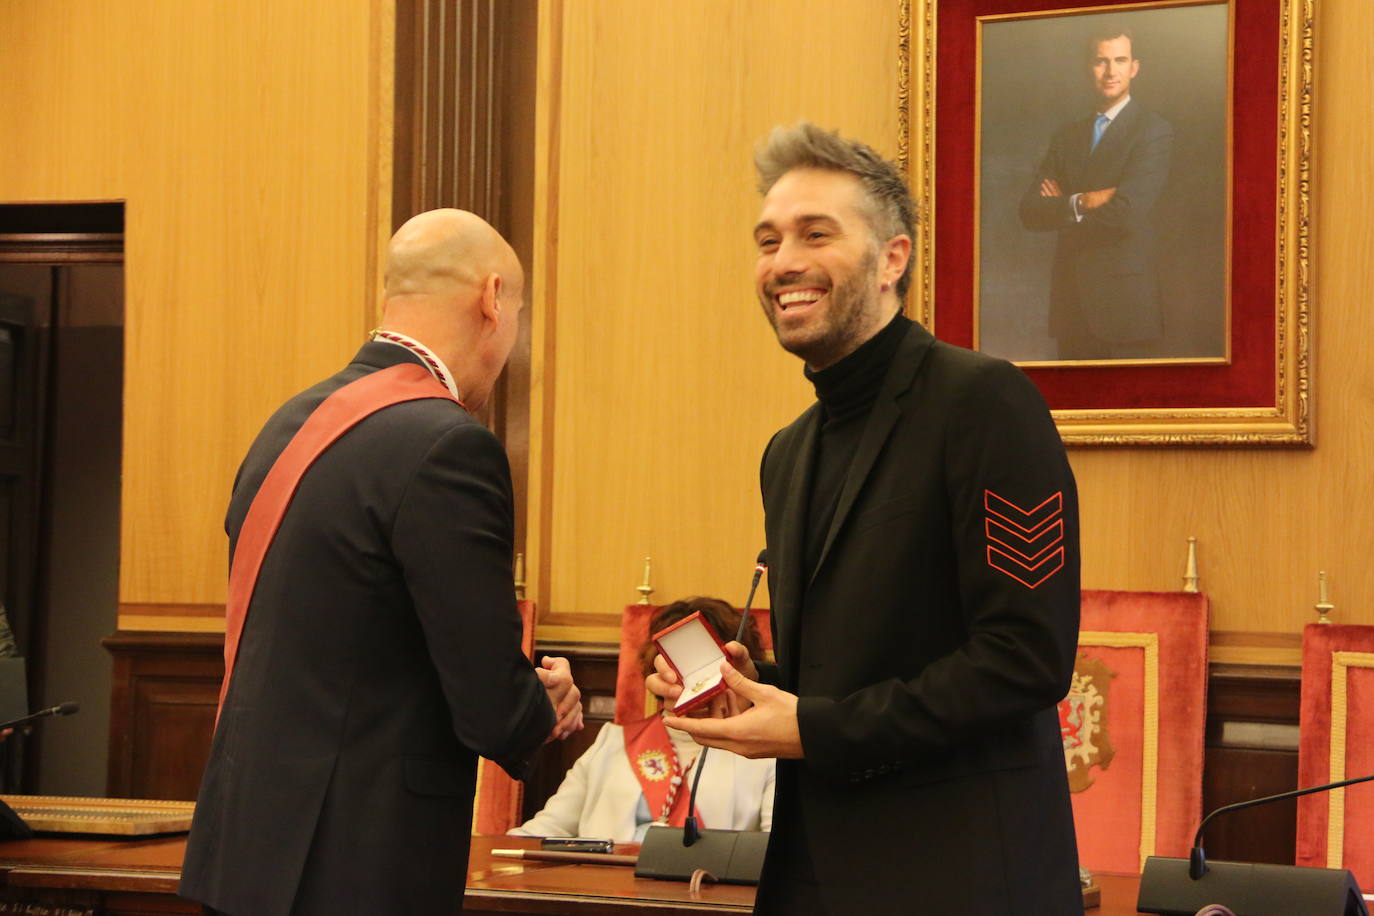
{"x":641,"y":773}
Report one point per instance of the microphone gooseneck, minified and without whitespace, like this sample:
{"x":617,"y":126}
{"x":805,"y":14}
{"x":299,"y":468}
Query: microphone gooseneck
{"x":690,"y":832}
{"x":63,"y":709}
{"x":1197,"y":858}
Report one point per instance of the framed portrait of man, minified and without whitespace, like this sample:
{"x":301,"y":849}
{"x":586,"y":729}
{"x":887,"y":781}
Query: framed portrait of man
{"x":1116,"y":200}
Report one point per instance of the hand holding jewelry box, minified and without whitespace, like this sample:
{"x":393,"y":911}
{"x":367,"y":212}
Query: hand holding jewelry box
{"x":695,"y":652}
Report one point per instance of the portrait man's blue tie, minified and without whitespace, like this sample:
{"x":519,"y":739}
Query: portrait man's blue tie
{"x":1098,"y":128}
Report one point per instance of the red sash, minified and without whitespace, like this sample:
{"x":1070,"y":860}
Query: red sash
{"x":339,"y":413}
{"x":655,"y":765}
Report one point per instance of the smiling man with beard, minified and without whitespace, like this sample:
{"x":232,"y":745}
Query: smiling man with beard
{"x":922,"y":533}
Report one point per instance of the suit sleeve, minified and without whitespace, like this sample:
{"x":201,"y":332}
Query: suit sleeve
{"x":453,"y":538}
{"x":1047,"y":214}
{"x":1013,"y":507}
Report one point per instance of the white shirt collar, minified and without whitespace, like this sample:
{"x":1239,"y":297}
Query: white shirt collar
{"x":446,"y":377}
{"x":1115,"y":110}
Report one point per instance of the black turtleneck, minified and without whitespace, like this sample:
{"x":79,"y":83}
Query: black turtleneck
{"x":846,"y":391}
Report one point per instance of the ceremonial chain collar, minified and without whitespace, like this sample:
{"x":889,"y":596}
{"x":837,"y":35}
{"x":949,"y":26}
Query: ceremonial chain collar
{"x":429,"y":357}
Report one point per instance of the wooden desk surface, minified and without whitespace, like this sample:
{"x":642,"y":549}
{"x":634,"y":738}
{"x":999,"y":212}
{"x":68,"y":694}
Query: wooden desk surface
{"x":111,"y":874}
{"x":512,"y":885}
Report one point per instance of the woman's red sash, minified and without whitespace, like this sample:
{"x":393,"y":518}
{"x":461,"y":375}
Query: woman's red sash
{"x":656,"y":766}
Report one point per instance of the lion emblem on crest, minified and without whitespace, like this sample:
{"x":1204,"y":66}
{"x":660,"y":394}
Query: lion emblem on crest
{"x":1083,"y":721}
{"x":654,"y":765}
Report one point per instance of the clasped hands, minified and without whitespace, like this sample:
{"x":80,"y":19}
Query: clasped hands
{"x":556,"y":676}
{"x":1087,"y":200}
{"x":748,"y":718}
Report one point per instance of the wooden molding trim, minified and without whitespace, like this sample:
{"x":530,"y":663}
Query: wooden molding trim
{"x":170,"y":618}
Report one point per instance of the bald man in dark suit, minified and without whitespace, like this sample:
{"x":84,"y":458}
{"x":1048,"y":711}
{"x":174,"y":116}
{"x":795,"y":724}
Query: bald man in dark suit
{"x":378,"y":654}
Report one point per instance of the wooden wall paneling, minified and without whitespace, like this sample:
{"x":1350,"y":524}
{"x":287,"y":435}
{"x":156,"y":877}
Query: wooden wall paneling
{"x":1251,"y":751}
{"x":518,"y":76}
{"x":163,"y":702}
{"x":449,"y":62}
{"x":668,"y":379}
{"x":464,"y":85}
{"x":547,"y":134}
{"x":652,"y":305}
{"x":239,"y":138}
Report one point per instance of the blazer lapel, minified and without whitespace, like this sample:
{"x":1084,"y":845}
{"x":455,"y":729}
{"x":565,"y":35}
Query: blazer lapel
{"x":886,"y":410}
{"x":790,"y":560}
{"x":1117,"y":135}
{"x":1080,"y":149}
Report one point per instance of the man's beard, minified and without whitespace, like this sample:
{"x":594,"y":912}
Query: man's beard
{"x":853,"y":302}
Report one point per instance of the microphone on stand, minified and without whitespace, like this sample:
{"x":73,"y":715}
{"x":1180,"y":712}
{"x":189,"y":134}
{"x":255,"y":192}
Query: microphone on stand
{"x":62,"y":709}
{"x":730,"y":856}
{"x":12,"y":826}
{"x":690,"y":832}
{"x":1184,"y":886}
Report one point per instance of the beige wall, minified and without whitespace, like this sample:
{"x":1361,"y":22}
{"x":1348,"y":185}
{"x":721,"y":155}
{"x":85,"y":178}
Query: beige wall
{"x":666,"y":383}
{"x":665,"y":379}
{"x":244,"y":139}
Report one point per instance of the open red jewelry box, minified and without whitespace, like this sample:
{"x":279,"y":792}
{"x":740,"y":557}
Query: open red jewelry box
{"x":695,"y":652}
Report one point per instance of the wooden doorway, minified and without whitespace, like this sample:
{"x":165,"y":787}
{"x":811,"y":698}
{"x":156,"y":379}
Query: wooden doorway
{"x":61,"y":383}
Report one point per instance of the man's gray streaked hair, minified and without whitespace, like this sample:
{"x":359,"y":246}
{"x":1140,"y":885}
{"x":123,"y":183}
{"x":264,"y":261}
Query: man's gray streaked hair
{"x":891,"y":210}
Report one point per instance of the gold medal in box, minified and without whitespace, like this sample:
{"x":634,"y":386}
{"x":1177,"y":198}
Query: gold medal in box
{"x":695,"y":652}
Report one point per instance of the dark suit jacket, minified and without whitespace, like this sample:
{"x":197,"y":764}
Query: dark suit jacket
{"x":928,"y":665}
{"x":1105,"y":276}
{"x":380,"y":656}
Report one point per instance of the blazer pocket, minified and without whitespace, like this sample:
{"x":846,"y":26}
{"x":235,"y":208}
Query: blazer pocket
{"x":886,"y":512}
{"x":427,"y":776}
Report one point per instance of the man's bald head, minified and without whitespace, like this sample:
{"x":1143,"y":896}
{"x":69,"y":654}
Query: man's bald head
{"x":454,"y":285}
{"x":440,"y":250}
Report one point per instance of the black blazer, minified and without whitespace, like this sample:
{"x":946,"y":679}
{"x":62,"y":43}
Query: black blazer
{"x":927,"y":657}
{"x":1105,"y":275}
{"x":381,"y":655}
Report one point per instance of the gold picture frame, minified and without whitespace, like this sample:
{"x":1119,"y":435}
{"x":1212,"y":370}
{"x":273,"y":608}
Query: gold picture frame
{"x":1263,"y":397}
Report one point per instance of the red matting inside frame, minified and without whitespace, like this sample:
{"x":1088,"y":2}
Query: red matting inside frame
{"x":1249,"y":380}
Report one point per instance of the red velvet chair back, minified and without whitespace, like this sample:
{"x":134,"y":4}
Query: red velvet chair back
{"x":632,"y":701}
{"x":1336,"y":829}
{"x":496,"y":807}
{"x":1133,"y":726}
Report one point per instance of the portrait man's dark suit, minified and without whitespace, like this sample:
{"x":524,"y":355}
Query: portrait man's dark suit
{"x":929,"y":645}
{"x":381,"y":656}
{"x":1104,"y":284}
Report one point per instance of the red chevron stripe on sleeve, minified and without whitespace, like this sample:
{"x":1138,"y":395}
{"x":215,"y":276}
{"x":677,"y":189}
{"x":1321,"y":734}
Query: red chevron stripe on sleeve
{"x":1025,"y":544}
